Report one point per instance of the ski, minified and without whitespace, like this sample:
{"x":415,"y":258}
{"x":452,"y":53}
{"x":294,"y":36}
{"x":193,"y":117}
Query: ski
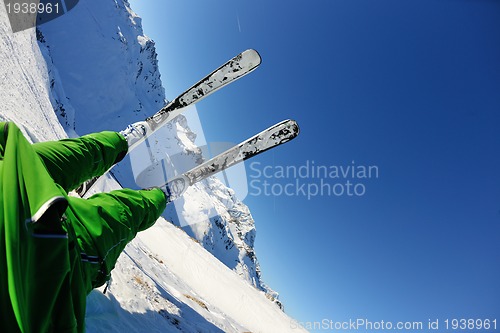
{"x":234,"y":69}
{"x":239,"y":66}
{"x":265,"y":140}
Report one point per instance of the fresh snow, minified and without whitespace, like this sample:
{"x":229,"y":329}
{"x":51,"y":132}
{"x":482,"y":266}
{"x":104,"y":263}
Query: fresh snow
{"x":94,"y":69}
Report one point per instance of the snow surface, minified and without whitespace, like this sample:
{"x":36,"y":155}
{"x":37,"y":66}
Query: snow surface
{"x":202,"y":278}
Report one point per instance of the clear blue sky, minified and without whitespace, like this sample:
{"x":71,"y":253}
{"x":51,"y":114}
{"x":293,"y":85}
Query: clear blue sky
{"x":411,"y":87}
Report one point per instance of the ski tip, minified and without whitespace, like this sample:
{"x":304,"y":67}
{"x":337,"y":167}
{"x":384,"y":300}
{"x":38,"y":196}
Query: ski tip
{"x":291,"y":127}
{"x":253,"y":56}
{"x":294,"y":126}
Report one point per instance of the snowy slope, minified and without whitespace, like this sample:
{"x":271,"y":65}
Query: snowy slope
{"x":165,"y":281}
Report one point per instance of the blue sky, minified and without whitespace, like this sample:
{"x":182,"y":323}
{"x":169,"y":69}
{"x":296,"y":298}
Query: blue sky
{"x":411,"y":87}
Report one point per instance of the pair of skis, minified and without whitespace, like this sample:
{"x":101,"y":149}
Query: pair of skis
{"x":232,"y":70}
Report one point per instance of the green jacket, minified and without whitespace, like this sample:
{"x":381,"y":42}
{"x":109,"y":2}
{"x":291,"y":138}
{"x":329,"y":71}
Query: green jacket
{"x":55,"y":249}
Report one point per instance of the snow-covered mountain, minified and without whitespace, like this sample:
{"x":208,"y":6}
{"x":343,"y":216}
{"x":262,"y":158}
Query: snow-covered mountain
{"x":97,"y":70}
{"x":104,"y":69}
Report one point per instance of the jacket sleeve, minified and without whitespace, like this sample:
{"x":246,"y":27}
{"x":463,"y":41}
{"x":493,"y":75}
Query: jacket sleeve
{"x":106,"y":222}
{"x":70,"y":162}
